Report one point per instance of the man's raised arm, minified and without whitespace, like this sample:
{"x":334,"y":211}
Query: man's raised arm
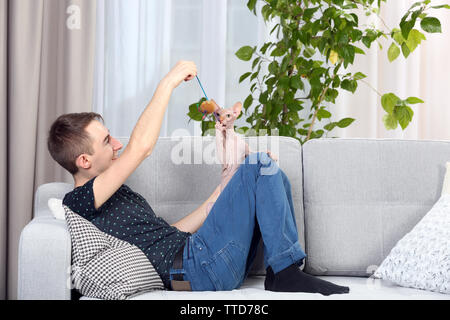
{"x":146,"y":132}
{"x":144,"y":135}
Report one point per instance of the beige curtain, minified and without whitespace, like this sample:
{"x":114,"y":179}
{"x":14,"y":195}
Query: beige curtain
{"x":424,"y":74}
{"x":47,"y":62}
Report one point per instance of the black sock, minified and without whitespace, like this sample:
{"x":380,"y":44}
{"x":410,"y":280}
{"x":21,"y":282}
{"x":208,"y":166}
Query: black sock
{"x":292,"y":279}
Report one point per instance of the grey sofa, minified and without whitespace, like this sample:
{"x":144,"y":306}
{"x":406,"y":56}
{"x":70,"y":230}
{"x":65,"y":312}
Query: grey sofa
{"x":353,"y":198}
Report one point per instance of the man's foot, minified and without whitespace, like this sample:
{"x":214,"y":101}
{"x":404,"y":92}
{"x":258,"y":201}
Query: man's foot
{"x":292,"y":279}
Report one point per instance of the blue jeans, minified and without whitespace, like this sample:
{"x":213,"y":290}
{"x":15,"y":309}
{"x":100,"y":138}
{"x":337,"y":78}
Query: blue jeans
{"x":256,"y":202}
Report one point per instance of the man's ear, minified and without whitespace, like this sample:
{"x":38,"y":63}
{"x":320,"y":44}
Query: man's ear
{"x":237,"y":108}
{"x":83,"y":161}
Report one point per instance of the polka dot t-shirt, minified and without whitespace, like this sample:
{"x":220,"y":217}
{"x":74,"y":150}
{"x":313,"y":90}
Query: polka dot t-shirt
{"x":128,"y":216}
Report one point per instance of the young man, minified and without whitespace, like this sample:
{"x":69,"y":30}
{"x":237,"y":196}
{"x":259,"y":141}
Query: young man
{"x":199,"y":252}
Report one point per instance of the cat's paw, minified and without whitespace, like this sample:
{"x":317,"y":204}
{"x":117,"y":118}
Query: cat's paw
{"x":272,"y":156}
{"x":219,"y":126}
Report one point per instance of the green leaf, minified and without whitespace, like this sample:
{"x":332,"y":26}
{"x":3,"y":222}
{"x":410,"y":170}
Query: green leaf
{"x":405,"y":50}
{"x":397,"y":36}
{"x":349,"y":85}
{"x":242,"y":130}
{"x":309,"y":52}
{"x":404,"y":116}
{"x":278,"y":52}
{"x":268,"y":107}
{"x":336,"y":82}
{"x":390,"y":122}
{"x":195,"y":115}
{"x":263,"y":97}
{"x":389,"y":101}
{"x":206,"y":125}
{"x":244,"y":76}
{"x":308,"y":13}
{"x":254,"y":75}
{"x":359,"y":50}
{"x":393,"y":52}
{"x":296,"y":82}
{"x":255,"y":62}
{"x":330,"y":126}
{"x":302,"y":132}
{"x":416,"y":4}
{"x":251,"y":4}
{"x":266,"y":46}
{"x":414,"y":100}
{"x":414,"y":39}
{"x":273,"y":67}
{"x":245,"y":53}
{"x":406,"y":27}
{"x":348,"y":53}
{"x":271,"y":81}
{"x":441,"y":6}
{"x":359,"y":76}
{"x":284,"y":82}
{"x":431,"y":25}
{"x":331,"y":95}
{"x":266,"y":11}
{"x":345,"y":122}
{"x":295,"y":105}
{"x":248,"y":102}
{"x":323,"y":114}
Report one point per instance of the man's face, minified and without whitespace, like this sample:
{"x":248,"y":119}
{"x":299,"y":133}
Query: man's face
{"x":105,"y":148}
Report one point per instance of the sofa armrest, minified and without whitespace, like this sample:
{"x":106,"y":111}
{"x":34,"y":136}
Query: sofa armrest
{"x":46,"y":191}
{"x":44,"y":260}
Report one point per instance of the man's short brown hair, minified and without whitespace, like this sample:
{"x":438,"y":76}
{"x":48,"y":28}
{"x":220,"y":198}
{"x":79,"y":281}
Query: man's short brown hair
{"x":67,"y":138}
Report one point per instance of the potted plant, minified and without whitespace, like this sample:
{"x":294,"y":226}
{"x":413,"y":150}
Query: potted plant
{"x":304,"y":70}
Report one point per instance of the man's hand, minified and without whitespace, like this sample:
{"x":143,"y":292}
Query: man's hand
{"x":183,"y":70}
{"x":193,"y":221}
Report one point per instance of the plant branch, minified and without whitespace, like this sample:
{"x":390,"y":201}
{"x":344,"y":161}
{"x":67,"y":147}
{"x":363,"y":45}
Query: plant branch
{"x":377,"y":14}
{"x":371,"y":87}
{"x":263,"y":57}
{"x":322,"y":96}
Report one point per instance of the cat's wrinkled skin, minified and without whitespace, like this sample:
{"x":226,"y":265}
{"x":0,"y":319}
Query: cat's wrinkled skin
{"x":231,"y":149}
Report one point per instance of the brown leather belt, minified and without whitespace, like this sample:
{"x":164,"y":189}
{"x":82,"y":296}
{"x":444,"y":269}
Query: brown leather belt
{"x":177,"y":282}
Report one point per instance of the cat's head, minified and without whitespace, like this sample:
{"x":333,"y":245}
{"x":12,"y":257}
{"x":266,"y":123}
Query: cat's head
{"x":227,"y":116}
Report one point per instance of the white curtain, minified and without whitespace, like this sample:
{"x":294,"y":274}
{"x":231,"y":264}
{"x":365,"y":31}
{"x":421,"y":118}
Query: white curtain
{"x":133,"y":53}
{"x":138,"y":41}
{"x":424,"y":74}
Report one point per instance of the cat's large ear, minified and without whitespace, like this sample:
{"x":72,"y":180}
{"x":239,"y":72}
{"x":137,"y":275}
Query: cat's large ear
{"x":237,"y":108}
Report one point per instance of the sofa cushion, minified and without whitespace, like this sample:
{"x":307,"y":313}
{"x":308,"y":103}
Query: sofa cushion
{"x":56,"y":207}
{"x":182,"y":172}
{"x":105,"y":267}
{"x":421,"y":259}
{"x":361,"y":196}
{"x":253,"y":289}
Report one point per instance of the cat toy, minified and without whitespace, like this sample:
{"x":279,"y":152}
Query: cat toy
{"x":208,"y":106}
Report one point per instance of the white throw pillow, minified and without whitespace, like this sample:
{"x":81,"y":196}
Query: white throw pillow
{"x":446,"y":185}
{"x":421,"y":259}
{"x":56,"y":208}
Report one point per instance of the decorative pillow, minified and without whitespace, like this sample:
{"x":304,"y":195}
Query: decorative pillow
{"x":446,"y":185}
{"x":421,"y":259}
{"x":106,"y":267}
{"x":56,"y":208}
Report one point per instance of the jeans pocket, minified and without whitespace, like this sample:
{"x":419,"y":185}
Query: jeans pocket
{"x":226,"y":269}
